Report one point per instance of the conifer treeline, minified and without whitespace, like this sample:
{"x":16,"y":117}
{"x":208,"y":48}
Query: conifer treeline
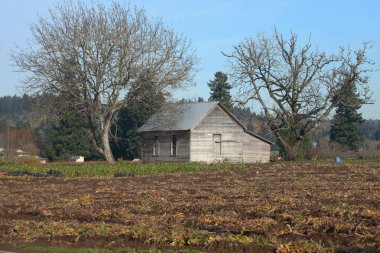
{"x":55,"y":140}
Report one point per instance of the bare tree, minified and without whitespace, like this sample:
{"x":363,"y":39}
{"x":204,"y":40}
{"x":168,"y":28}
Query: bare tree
{"x":296,"y":86}
{"x":96,"y":53}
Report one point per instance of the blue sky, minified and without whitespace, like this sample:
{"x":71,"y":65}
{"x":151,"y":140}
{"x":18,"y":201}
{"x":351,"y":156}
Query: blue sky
{"x":216,"y":25}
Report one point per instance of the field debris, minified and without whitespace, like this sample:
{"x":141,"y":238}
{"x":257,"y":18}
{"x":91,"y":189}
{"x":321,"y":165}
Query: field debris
{"x":282,"y":208}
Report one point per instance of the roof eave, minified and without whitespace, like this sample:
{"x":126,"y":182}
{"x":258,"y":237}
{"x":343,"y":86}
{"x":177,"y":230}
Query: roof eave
{"x":241,"y":124}
{"x":258,"y":137}
{"x":161,"y":130}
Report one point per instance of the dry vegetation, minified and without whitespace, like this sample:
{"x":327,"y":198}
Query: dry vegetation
{"x":279,"y":207}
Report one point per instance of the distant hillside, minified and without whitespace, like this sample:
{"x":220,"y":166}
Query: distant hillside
{"x":14,"y":108}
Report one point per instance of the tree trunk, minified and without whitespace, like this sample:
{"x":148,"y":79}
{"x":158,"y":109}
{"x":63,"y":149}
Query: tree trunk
{"x":291,"y":151}
{"x":107,"y":152}
{"x":103,"y":147}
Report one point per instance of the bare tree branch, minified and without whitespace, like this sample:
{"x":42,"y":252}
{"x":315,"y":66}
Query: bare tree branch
{"x":95,"y":54}
{"x":296,"y":86}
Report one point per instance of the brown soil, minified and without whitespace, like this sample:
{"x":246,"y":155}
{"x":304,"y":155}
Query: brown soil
{"x":265,"y":208}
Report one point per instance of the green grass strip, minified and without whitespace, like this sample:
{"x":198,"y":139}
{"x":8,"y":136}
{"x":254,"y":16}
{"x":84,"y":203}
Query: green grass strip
{"x":120,"y":169}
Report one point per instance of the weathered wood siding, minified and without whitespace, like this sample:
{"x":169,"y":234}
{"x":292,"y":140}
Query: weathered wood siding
{"x":216,"y":137}
{"x":203,"y":147}
{"x":165,"y":139}
{"x":255,"y":150}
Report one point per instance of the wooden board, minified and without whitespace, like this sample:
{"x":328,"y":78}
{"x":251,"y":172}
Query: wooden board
{"x":165,"y":139}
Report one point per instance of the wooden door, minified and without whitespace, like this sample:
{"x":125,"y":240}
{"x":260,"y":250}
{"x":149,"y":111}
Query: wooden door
{"x":217,"y":144}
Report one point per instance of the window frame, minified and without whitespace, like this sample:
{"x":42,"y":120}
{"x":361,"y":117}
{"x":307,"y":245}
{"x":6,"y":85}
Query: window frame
{"x":174,"y":146}
{"x":156,"y":146}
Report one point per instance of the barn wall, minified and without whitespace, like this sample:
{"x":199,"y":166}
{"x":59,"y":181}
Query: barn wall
{"x":203,"y":146}
{"x":165,"y":138}
{"x":255,"y":150}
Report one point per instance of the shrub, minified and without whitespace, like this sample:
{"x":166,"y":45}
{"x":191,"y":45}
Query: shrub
{"x":120,"y":174}
{"x":54,"y":173}
{"x":31,"y":160}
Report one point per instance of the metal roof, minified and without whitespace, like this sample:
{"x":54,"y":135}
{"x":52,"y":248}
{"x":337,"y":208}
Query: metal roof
{"x":176,"y":117}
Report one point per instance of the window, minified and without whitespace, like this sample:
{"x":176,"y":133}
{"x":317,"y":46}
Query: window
{"x":156,"y":146}
{"x":173,"y":149}
{"x":217,"y":146}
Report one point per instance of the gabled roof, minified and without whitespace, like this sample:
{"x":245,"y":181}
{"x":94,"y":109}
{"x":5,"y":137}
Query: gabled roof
{"x":177,"y":117}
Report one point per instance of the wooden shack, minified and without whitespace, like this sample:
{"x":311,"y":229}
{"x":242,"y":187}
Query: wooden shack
{"x":202,"y":132}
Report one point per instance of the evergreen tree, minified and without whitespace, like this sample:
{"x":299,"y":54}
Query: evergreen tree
{"x":220,"y":89}
{"x":125,"y":143}
{"x":345,"y":124}
{"x":250,"y":126}
{"x":68,"y":136}
{"x":376,"y":135}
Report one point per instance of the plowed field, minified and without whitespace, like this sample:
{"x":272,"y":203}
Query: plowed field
{"x":278,"y":207}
